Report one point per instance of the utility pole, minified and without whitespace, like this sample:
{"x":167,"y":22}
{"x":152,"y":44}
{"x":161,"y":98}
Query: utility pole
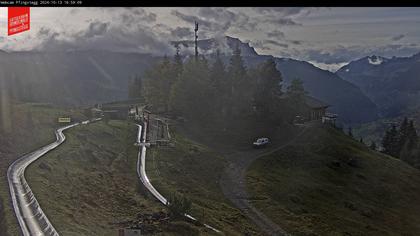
{"x":196,"y":37}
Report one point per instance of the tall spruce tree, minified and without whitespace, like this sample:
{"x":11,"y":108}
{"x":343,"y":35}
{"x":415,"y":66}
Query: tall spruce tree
{"x":412,"y":135}
{"x":350,"y":132}
{"x":191,"y":95}
{"x":296,"y":89}
{"x":135,"y":87}
{"x":390,"y":142}
{"x":372,"y":145}
{"x":403,"y":134}
{"x":219,"y":83}
{"x":267,"y":89}
{"x":296,"y":97}
{"x":240,"y":94}
{"x":157,"y":85}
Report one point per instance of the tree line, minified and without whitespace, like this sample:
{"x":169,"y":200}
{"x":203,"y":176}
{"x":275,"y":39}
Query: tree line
{"x":212,"y":92}
{"x":402,"y":142}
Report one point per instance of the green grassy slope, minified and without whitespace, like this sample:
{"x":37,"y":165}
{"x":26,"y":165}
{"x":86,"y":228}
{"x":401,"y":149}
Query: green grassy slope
{"x":24,"y":127}
{"x":90,"y":182}
{"x":329,"y":184}
{"x":194,"y":170}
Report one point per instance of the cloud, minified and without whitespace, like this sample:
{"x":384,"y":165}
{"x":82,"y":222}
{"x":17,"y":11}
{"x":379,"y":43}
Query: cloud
{"x":275,"y":34}
{"x":283,"y":45}
{"x":191,"y":19}
{"x":281,"y":16}
{"x":181,"y":32}
{"x":282,"y":21}
{"x":139,"y":15}
{"x":46,"y":32}
{"x":296,"y":42}
{"x":96,"y":28}
{"x":283,"y":11}
{"x":398,"y":37}
{"x":111,"y":38}
{"x":325,"y":37}
{"x":265,"y":44}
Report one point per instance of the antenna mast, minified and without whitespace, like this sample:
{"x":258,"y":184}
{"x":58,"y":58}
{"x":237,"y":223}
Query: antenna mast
{"x":196,"y":37}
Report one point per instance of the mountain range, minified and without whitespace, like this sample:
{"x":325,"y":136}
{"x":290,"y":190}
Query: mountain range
{"x":359,"y":92}
{"x":393,"y":84}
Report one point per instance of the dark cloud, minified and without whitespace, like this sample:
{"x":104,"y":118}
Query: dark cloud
{"x":296,"y":42}
{"x":181,"y":32}
{"x":96,"y":28}
{"x":217,"y":21}
{"x":282,"y":21}
{"x":280,"y":15}
{"x":398,"y":37}
{"x":283,"y":45}
{"x":135,"y":16}
{"x":275,"y":34}
{"x":43,"y":32}
{"x":47,"y":33}
{"x":191,"y":19}
{"x":286,"y":11}
{"x":217,"y":13}
{"x":143,"y":15}
{"x":141,"y":39}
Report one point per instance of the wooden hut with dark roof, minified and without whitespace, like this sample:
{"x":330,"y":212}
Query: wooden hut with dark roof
{"x":317,"y":108}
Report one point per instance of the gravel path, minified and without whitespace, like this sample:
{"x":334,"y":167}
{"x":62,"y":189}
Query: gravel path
{"x":233,"y":184}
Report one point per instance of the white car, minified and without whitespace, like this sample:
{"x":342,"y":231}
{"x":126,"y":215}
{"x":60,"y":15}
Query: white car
{"x":261,"y":142}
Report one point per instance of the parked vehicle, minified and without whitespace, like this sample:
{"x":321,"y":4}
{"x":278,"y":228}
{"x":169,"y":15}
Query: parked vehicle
{"x":261,"y":142}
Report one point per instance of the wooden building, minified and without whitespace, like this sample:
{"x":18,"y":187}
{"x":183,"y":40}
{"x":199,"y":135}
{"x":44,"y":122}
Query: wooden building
{"x":316,"y":108}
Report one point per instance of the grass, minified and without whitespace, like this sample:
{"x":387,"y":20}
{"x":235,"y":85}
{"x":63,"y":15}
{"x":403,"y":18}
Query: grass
{"x":89,"y":183}
{"x":194,"y":170}
{"x":329,"y":184}
{"x":24,"y":128}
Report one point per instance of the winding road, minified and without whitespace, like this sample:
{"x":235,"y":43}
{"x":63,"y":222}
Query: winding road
{"x":32,"y":219}
{"x":233,"y":184}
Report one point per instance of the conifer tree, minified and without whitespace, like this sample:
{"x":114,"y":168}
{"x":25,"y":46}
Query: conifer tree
{"x":191,"y":95}
{"x":390,"y":142}
{"x":219,"y":83}
{"x":240,"y":94}
{"x":350,"y":132}
{"x":372,"y":145}
{"x":412,"y":135}
{"x":267,"y":89}
{"x":403,"y":134}
{"x":135,"y":87}
{"x":157,"y":85}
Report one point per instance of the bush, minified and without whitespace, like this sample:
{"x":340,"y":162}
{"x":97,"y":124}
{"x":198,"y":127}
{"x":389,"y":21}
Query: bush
{"x":178,"y":205}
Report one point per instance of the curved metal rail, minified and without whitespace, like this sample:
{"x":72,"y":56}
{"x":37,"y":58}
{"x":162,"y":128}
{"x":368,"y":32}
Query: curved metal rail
{"x":32,"y":219}
{"x":141,"y":172}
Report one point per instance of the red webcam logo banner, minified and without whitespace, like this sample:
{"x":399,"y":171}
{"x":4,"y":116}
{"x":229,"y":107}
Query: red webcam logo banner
{"x":18,"y":20}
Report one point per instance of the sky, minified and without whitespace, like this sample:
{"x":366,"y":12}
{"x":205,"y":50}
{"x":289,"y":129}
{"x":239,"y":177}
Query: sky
{"x":327,"y":37}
